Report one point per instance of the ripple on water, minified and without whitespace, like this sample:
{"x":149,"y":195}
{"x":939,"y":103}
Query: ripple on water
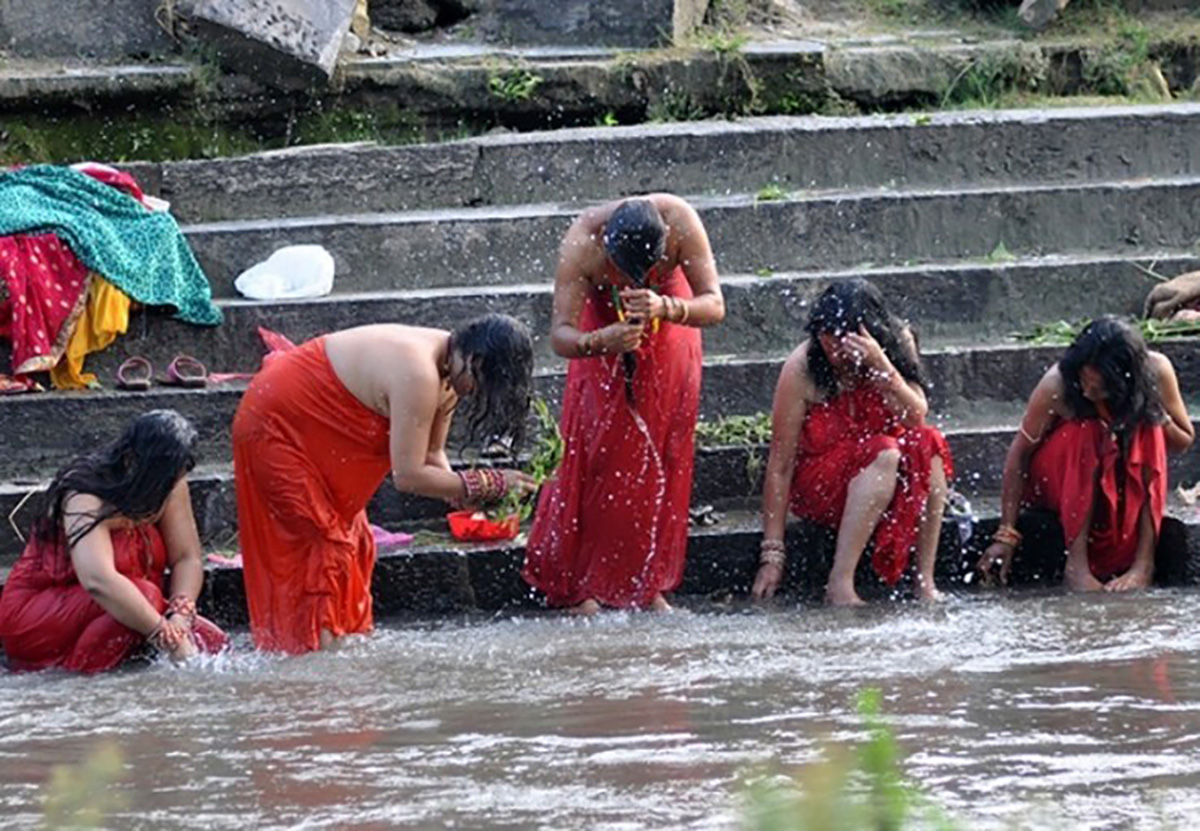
{"x":1076,"y":711}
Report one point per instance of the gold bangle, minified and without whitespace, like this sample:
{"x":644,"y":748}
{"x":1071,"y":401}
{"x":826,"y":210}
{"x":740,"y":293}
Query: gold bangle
{"x":585,"y":343}
{"x":683,"y":306}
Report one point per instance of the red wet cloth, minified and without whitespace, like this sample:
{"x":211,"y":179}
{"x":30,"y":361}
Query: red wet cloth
{"x":842,"y":436}
{"x":1079,"y":465}
{"x":47,"y":619}
{"x":612,"y":524}
{"x":43,"y":291}
{"x":308,"y":456}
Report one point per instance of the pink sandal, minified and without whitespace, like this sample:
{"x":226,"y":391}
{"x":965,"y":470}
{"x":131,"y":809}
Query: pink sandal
{"x":185,"y":371}
{"x":135,"y":374}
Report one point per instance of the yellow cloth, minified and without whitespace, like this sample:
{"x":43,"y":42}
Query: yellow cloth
{"x":105,"y":317}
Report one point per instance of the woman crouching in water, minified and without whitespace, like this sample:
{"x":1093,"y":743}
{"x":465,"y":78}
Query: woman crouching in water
{"x":850,"y":449}
{"x":88,"y":589}
{"x":1092,"y":447}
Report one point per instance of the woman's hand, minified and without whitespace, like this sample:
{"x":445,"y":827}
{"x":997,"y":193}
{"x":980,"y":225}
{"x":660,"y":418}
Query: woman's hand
{"x":997,"y":554}
{"x":520,"y":482}
{"x":868,"y":354}
{"x":1167,"y":298}
{"x":643,"y":305}
{"x":618,"y":338}
{"x":766,"y":582}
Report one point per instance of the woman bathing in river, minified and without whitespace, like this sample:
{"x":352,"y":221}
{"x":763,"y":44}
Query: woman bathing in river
{"x":850,"y":448}
{"x":88,"y":589}
{"x":1093,"y":448}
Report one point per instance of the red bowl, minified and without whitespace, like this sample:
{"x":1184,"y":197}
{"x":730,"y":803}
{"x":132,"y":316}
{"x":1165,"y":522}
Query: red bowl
{"x":474,"y":526}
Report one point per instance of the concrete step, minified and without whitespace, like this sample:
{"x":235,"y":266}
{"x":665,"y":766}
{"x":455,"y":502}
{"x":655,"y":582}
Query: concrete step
{"x":965,"y":301}
{"x":791,"y":153}
{"x":721,"y":474}
{"x":45,"y":431}
{"x":514,"y":245}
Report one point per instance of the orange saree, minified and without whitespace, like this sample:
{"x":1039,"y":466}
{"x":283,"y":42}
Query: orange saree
{"x":307,"y":456}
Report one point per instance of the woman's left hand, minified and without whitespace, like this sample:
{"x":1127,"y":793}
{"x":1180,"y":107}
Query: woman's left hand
{"x":643,"y":304}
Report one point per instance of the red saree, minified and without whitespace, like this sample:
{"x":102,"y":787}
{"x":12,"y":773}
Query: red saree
{"x":1077,"y":466}
{"x":842,"y":436}
{"x":48,"y":620}
{"x":612,"y":525}
{"x":307,"y":456}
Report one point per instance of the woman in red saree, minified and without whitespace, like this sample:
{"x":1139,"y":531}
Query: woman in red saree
{"x":1092,"y":447}
{"x":850,"y":448}
{"x":88,"y":589}
{"x":635,"y":279}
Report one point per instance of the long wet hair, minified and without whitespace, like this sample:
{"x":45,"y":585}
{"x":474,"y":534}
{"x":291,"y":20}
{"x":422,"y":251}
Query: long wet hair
{"x":498,"y":352}
{"x":842,"y":308}
{"x":132,"y":476}
{"x":1117,"y":351}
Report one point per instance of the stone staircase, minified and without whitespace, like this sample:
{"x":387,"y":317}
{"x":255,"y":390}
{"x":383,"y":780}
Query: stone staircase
{"x":975,"y":225}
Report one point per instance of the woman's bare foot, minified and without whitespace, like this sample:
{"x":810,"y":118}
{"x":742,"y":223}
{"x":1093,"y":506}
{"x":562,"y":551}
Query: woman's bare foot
{"x":927,"y":590}
{"x":587,"y":608}
{"x":1079,"y":578}
{"x":1135,"y":578}
{"x":837,"y":594}
{"x":660,"y":604}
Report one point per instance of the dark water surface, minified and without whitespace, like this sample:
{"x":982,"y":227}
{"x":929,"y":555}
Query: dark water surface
{"x":1024,"y":712}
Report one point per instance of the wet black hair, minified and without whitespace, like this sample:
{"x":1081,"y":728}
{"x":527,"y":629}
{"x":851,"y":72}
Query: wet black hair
{"x":845,"y":306}
{"x":132,"y":476}
{"x":635,"y":238}
{"x":498,"y":351}
{"x":1117,"y":351}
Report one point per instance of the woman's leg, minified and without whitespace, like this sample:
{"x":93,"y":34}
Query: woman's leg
{"x":867,"y":497}
{"x":930,"y":531}
{"x":1078,"y":573}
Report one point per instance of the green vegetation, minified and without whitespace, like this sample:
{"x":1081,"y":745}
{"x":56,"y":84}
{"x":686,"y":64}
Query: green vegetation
{"x":1063,"y":332}
{"x":773,"y":192}
{"x":514,"y":85}
{"x":852,"y":789}
{"x":82,"y":796}
{"x":735,"y":430}
{"x":1000,"y":254}
{"x":547,"y":456}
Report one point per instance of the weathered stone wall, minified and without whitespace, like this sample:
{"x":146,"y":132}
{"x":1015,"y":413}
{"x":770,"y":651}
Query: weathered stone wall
{"x":586,"y":22}
{"x":81,"y":28}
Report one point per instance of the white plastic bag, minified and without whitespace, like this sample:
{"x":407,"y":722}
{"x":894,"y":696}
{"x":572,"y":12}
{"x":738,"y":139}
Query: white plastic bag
{"x":290,"y":273}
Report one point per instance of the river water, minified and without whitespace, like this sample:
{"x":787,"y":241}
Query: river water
{"x":1031,"y":711}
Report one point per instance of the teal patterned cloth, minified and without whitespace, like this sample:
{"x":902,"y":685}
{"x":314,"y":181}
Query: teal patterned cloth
{"x":142,"y":253}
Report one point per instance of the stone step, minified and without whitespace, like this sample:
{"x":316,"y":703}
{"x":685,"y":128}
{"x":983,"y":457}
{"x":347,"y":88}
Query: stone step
{"x":507,"y":245}
{"x":790,"y":153}
{"x":44,"y":431}
{"x":721,"y":474}
{"x":438,"y":575}
{"x":965,"y":302}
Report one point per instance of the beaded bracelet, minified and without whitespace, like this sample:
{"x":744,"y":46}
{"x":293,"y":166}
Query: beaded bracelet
{"x":772,"y":553}
{"x":182,"y":605}
{"x":1007,"y":535}
{"x":483,"y":485}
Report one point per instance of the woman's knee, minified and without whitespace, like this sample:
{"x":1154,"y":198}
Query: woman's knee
{"x":880,"y":475}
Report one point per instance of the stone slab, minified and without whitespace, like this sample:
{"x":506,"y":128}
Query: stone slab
{"x":287,"y":43}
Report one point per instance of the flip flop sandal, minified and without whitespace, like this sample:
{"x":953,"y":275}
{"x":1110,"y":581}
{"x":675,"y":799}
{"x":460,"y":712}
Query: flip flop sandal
{"x":135,"y":374}
{"x":185,"y":371}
